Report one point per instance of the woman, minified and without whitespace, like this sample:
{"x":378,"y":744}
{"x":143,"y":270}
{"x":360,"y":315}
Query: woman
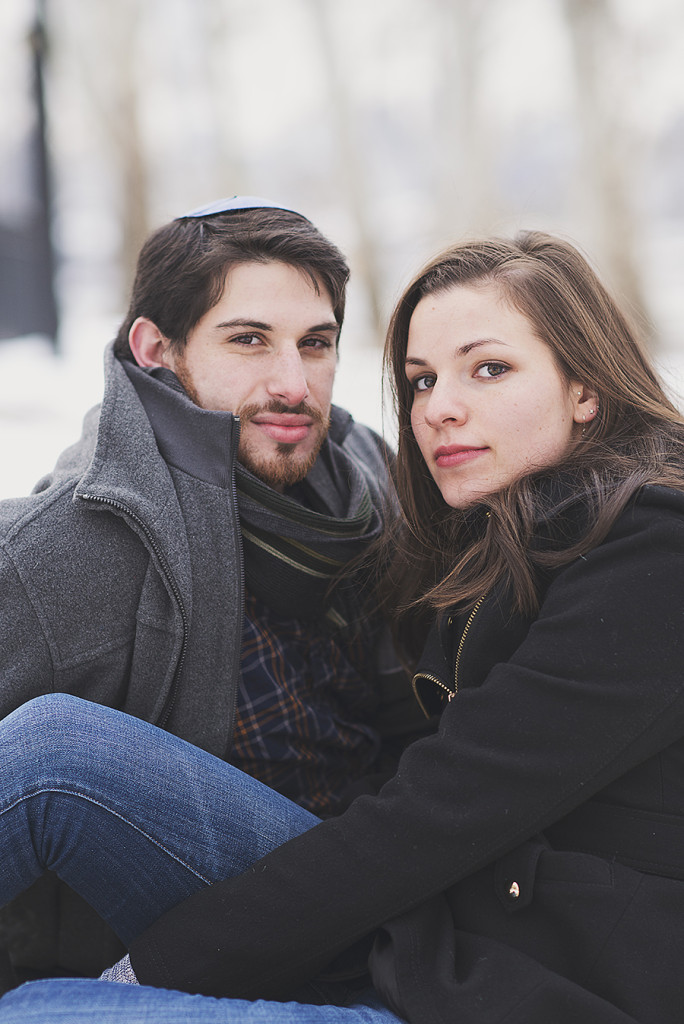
{"x":526,"y":862}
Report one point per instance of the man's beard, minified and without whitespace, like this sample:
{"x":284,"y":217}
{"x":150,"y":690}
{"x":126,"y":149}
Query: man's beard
{"x":286,"y":466}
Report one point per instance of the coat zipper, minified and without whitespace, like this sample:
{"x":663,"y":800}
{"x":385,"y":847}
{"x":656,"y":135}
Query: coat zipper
{"x":237,"y":647}
{"x":434,"y":679}
{"x":464,"y":634}
{"x":431,"y":679}
{"x":112,"y":503}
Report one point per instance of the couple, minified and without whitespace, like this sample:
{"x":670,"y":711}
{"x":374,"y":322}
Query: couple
{"x":523,"y":862}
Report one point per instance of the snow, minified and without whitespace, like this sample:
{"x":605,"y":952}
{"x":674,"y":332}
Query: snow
{"x":43,"y":396}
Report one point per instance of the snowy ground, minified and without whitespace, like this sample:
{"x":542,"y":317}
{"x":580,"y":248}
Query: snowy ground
{"x":43,"y":396}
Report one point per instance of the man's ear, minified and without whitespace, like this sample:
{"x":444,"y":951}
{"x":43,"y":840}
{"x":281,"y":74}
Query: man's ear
{"x":148,"y":344}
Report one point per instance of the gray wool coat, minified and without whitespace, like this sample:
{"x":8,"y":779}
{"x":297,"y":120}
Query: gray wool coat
{"x":121,"y":574}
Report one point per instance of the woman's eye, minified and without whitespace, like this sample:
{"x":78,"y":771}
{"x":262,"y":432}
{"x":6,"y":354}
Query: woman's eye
{"x":423,"y":383}
{"x":487,"y":371}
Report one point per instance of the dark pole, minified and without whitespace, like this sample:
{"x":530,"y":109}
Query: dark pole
{"x":45,"y":257}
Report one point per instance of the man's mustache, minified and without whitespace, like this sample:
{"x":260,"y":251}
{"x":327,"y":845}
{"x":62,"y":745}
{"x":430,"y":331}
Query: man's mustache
{"x":248,"y":412}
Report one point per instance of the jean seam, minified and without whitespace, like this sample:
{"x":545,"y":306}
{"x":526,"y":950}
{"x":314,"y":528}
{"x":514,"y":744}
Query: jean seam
{"x":116,"y":814}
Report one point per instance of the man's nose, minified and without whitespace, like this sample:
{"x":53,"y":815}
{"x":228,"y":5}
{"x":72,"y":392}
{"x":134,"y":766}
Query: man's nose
{"x":445,"y":404}
{"x":288,"y":378}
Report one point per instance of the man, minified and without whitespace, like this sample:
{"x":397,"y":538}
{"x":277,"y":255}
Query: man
{"x":178,"y":562}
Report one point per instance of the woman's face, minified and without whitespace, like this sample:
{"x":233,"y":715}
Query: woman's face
{"x":489,"y":402}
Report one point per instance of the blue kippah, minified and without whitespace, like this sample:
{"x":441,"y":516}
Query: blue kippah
{"x":236,"y":203}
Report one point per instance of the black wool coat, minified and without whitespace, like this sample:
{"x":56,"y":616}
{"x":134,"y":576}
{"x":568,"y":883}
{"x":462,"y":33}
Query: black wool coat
{"x":526,"y":862}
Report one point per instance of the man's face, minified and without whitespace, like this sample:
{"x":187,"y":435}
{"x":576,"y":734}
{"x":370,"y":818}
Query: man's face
{"x":266,"y":352}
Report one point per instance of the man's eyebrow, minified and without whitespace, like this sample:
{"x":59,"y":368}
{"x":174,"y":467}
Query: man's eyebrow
{"x":329,"y":326}
{"x":462,"y":351}
{"x":239,"y":322}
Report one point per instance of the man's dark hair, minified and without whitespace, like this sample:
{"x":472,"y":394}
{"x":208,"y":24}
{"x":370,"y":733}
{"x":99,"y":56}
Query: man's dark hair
{"x":182,"y":267}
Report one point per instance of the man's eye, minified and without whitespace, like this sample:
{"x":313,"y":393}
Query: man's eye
{"x":487,"y":371}
{"x":423,"y":383}
{"x":317,"y":343}
{"x":246,"y":339}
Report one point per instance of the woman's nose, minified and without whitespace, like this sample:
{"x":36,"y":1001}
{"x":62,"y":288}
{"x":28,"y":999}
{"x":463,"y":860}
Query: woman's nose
{"x":444,"y":404}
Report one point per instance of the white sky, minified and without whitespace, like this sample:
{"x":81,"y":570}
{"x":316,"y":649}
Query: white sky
{"x":269,"y":87}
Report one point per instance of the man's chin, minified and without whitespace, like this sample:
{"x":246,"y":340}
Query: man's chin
{"x":285,"y":468}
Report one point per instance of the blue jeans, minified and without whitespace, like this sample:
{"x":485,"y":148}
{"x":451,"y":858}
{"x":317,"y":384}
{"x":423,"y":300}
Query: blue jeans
{"x":134,"y":820}
{"x":85,"y":1001}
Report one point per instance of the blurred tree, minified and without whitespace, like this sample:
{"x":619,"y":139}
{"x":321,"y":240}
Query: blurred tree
{"x":102,"y":54}
{"x":229,"y":171}
{"x":121,"y":24}
{"x":353,"y":174}
{"x":27,"y":298}
{"x":609,"y":146}
{"x":464,"y":193}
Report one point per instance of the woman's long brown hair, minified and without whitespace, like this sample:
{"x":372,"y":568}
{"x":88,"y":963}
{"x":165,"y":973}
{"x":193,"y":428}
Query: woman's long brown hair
{"x":439,"y":557}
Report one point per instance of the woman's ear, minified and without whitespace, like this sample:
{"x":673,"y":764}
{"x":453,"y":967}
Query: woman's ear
{"x":148,"y":345}
{"x":585,"y":402}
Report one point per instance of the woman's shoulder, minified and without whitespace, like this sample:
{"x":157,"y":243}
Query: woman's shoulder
{"x":646,"y":542}
{"x":659,"y":497}
{"x":651,"y":523}
{"x":655,"y":507}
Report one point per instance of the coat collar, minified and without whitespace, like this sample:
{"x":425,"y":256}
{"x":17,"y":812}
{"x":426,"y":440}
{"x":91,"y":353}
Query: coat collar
{"x":127,"y":476}
{"x":144,"y":416}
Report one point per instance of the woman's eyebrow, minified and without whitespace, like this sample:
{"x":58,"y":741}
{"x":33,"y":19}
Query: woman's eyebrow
{"x":469,"y":346}
{"x":463,"y":350}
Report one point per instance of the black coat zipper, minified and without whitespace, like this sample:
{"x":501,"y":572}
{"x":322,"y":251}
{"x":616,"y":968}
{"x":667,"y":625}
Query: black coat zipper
{"x":435,"y":680}
{"x":431,"y":679}
{"x":461,"y":644}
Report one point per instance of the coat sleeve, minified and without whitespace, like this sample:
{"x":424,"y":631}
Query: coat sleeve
{"x":26,"y":667}
{"x":595,"y":688}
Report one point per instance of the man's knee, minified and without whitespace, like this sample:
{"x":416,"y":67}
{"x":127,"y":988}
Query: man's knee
{"x":45,"y":729}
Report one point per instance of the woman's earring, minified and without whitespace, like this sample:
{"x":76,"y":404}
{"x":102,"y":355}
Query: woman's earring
{"x":584,"y":420}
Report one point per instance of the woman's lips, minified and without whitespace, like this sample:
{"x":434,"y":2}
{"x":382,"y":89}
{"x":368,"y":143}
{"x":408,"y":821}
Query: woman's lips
{"x":456,"y":455}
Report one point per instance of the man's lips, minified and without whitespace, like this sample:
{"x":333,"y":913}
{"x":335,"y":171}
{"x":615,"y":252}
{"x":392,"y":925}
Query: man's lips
{"x":284,"y":427}
{"x":457,"y":454}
